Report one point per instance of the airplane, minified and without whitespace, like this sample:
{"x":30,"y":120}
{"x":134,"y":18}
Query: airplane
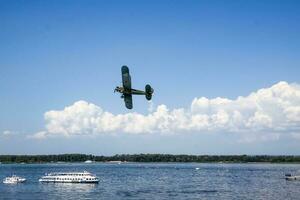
{"x":127,"y":91}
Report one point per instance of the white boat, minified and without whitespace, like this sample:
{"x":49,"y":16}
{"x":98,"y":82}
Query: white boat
{"x":13,"y":180}
{"x":289,"y":177}
{"x":69,"y":177}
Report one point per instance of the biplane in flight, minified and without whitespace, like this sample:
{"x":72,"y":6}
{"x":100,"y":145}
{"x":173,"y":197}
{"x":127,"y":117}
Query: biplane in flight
{"x":127,"y":91}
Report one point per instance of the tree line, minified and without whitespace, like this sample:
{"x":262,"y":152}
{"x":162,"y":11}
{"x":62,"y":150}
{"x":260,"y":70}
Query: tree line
{"x":148,"y":158}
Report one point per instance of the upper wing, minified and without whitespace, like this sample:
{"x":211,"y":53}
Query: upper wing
{"x":128,"y":100}
{"x":126,"y":79}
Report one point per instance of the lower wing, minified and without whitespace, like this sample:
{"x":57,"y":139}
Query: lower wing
{"x":128,"y":100}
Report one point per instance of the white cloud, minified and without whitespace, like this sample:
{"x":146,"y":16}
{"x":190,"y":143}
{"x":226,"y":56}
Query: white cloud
{"x":296,"y":135}
{"x":7,"y":133}
{"x":265,"y":113}
{"x":38,"y":135}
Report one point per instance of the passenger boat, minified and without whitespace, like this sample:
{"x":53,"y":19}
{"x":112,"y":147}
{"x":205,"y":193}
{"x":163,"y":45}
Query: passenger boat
{"x":69,"y":177}
{"x":14,"y":179}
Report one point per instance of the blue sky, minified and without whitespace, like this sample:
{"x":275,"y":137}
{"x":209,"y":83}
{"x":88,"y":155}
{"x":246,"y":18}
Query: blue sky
{"x":55,"y":53}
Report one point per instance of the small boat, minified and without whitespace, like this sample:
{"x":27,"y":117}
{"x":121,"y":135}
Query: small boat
{"x":14,"y":179}
{"x":289,"y":177}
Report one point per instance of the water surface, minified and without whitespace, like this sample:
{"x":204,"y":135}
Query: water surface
{"x":156,"y":181}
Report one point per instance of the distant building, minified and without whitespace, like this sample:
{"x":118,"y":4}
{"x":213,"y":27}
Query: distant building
{"x":115,"y":161}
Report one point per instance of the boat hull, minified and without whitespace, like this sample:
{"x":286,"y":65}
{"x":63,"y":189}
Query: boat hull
{"x":292,"y":178}
{"x":68,"y":181}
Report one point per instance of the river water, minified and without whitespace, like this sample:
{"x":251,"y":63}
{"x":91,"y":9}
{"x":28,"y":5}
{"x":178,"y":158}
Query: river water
{"x":156,"y":181}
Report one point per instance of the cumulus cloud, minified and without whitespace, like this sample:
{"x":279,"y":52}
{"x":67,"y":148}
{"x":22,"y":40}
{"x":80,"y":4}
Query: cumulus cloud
{"x":268,"y":111}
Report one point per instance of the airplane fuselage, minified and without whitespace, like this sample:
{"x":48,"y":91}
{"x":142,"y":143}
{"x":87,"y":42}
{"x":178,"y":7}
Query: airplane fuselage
{"x":129,"y":91}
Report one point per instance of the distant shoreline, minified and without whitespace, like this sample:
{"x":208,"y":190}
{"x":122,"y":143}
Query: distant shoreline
{"x":149,"y":158}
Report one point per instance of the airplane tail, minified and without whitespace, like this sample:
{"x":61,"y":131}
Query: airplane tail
{"x":149,"y":91}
